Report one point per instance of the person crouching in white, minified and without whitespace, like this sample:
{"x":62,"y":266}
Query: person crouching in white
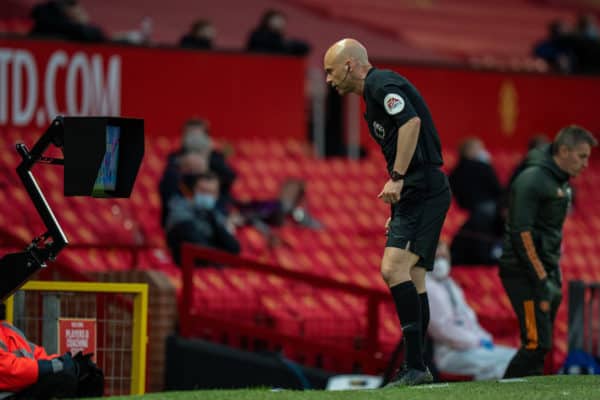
{"x":460,"y":345}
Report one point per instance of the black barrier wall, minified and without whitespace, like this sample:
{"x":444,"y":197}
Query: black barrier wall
{"x":198,"y":364}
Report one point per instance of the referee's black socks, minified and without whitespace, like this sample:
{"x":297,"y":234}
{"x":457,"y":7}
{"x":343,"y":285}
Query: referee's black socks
{"x":424,"y":315}
{"x":408,"y":307}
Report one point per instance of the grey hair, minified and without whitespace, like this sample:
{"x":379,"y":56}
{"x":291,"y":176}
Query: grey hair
{"x":571,"y":136}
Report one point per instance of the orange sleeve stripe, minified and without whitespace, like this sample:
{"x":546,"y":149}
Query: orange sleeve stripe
{"x":532,"y":254}
{"x":530,"y":325}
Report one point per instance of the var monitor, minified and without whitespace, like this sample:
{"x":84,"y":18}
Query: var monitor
{"x":102,"y":156}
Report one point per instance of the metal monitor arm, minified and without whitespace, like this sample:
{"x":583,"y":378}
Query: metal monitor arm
{"x":16,"y":268}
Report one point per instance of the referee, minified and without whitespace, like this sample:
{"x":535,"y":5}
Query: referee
{"x":529,"y":268}
{"x":417,"y":189}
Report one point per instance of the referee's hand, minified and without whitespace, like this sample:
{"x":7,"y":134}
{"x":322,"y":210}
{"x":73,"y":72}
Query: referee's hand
{"x":391,"y":191}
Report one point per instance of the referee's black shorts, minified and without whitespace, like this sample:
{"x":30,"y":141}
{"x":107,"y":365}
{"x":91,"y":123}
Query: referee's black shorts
{"x":418,"y":217}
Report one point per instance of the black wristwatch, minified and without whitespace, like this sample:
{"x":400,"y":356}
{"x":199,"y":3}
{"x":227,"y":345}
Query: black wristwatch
{"x":396,"y":176}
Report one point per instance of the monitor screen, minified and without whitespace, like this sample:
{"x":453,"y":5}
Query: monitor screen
{"x":107,"y":175}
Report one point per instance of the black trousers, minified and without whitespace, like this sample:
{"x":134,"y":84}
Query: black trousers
{"x":536,"y":321}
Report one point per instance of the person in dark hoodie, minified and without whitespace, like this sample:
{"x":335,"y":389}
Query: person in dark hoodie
{"x":529,"y":266}
{"x":476,"y":188}
{"x":64,"y":19}
{"x":269,"y":37}
{"x":200,"y":36}
{"x":534,"y":143}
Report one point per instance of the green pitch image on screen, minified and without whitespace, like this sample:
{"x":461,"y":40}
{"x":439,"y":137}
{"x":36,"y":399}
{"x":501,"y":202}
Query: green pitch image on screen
{"x":107,"y":174}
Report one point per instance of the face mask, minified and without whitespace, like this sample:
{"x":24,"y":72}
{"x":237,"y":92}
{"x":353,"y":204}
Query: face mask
{"x":484,"y":156}
{"x":441,"y":268}
{"x":204,"y":201}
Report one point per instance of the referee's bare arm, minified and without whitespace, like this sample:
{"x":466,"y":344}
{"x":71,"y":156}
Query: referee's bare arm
{"x":408,"y":136}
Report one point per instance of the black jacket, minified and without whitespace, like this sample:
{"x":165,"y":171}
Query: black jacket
{"x":51,"y":21}
{"x":474,"y":183}
{"x":187,"y":223}
{"x":538,"y":204}
{"x":267,"y":41}
{"x":191,"y":42}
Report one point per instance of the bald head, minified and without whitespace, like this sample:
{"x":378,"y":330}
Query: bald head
{"x":346,"y":49}
{"x":346,"y":64}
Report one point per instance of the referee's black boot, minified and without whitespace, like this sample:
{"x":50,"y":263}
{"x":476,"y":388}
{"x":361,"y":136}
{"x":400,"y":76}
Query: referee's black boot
{"x":411,"y":377}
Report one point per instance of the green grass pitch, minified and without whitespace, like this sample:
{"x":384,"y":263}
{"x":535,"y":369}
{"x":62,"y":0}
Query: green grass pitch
{"x":582,"y":387}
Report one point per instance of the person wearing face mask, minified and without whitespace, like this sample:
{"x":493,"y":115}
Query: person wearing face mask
{"x":473,"y":181}
{"x":530,"y":272}
{"x":460,"y":345}
{"x":476,"y":188}
{"x":193,"y":217}
{"x":195,"y":156}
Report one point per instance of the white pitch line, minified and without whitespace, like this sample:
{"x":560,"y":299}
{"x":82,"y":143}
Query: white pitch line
{"x":434,"y":386}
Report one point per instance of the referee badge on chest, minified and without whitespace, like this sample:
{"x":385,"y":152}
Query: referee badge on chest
{"x":378,"y":130}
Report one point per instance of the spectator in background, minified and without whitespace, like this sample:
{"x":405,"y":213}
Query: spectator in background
{"x":473,"y":180}
{"x":477,"y":189}
{"x":587,"y":27}
{"x":460,"y":344}
{"x":64,"y":19}
{"x":180,"y":165}
{"x":269,"y":37}
{"x":586,"y":45}
{"x":196,"y":155}
{"x":556,"y":49}
{"x":200,"y":36}
{"x":290,"y":205}
{"x":194,"y":218}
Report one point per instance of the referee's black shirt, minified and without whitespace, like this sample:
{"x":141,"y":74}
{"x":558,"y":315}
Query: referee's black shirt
{"x":391,"y":101}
